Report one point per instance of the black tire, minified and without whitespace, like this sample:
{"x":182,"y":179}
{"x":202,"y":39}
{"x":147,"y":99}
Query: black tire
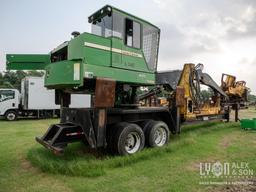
{"x":157,"y":133}
{"x":145,"y":124}
{"x":127,"y":139}
{"x":111,"y":133}
{"x":10,"y":115}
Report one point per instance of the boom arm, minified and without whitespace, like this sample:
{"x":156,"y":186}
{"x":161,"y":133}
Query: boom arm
{"x":207,"y":80}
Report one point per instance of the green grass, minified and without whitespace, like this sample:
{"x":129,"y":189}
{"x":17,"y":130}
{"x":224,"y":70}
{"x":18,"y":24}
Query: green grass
{"x":27,"y":166}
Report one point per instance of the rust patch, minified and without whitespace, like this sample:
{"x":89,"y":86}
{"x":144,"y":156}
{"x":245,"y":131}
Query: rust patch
{"x":102,"y":117}
{"x":105,"y":93}
{"x":180,"y":96}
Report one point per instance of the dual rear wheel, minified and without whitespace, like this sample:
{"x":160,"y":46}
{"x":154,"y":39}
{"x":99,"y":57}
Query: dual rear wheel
{"x":129,"y":138}
{"x":157,"y":133}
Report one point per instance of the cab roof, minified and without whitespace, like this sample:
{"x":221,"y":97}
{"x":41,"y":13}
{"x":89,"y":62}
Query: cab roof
{"x":108,"y":9}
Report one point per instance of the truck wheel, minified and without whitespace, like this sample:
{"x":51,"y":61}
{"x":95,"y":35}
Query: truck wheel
{"x":157,"y":133}
{"x":145,"y":124}
{"x":11,"y":115}
{"x":128,"y":139}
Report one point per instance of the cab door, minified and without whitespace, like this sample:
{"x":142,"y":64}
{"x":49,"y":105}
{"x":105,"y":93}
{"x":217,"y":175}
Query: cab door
{"x":9,"y":99}
{"x":127,"y":52}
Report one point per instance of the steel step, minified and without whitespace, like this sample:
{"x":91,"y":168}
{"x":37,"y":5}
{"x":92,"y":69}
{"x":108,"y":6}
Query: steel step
{"x":58,"y":136}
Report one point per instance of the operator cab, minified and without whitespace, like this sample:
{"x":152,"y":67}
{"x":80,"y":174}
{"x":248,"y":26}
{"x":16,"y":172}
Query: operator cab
{"x":135,"y":32}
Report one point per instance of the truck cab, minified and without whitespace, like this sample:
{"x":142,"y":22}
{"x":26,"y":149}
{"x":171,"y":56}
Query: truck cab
{"x":9,"y":103}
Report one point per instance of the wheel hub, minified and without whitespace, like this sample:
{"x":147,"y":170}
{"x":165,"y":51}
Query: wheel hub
{"x":160,"y":136}
{"x":132,"y":143}
{"x":11,"y":116}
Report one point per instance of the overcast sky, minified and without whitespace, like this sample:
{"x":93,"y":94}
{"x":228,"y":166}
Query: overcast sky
{"x":221,"y":34}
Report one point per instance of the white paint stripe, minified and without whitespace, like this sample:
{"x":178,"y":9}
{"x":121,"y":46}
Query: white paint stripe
{"x":117,"y":50}
{"x":124,"y":52}
{"x":97,"y":46}
{"x":129,"y":53}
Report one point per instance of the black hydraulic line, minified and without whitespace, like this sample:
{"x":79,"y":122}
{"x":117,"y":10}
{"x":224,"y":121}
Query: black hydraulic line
{"x":154,"y":91}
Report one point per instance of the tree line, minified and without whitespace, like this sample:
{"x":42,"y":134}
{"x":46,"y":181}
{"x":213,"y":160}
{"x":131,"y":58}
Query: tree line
{"x":12,"y":79}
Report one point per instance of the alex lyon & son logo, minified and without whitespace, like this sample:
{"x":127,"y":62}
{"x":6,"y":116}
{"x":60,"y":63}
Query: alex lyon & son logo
{"x":212,"y":173}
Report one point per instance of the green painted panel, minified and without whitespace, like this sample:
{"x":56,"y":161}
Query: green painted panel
{"x":116,"y":57}
{"x":121,"y":75}
{"x":133,"y":62}
{"x":83,"y":47}
{"x":129,"y":58}
{"x":27,"y":61}
{"x":64,"y":74}
{"x":95,"y":56}
{"x":76,"y":48}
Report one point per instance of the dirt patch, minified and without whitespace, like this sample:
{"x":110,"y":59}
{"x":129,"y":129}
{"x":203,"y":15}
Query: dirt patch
{"x":227,"y":140}
{"x":98,"y":154}
{"x":195,"y":166}
{"x":244,"y":114}
{"x":25,"y":164}
{"x":247,"y":186}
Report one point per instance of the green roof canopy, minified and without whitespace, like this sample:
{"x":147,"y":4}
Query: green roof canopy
{"x":107,"y":9}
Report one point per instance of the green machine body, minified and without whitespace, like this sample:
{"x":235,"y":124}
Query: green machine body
{"x":121,"y":47}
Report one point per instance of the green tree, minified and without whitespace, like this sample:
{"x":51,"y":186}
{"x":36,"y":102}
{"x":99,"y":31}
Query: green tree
{"x":1,"y":79}
{"x":251,"y":97}
{"x":206,"y":94}
{"x":35,"y":73}
{"x":12,"y":79}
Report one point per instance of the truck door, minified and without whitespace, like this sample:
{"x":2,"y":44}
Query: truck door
{"x":9,"y":99}
{"x":129,"y":49}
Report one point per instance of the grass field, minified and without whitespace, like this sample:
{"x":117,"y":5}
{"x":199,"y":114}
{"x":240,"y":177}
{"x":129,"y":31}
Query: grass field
{"x":27,"y":166}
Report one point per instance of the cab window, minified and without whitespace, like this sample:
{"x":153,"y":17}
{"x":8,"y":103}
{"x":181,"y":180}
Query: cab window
{"x":6,"y":95}
{"x":132,"y":33}
{"x":103,"y":26}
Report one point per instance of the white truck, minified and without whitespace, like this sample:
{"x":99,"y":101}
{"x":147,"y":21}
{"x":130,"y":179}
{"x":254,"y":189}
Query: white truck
{"x":35,"y":100}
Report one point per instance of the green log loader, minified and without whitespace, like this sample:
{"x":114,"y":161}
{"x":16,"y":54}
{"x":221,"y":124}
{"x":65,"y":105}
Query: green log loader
{"x":112,"y":63}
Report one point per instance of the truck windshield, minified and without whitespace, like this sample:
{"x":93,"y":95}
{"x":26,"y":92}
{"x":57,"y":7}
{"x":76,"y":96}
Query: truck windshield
{"x":6,"y":95}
